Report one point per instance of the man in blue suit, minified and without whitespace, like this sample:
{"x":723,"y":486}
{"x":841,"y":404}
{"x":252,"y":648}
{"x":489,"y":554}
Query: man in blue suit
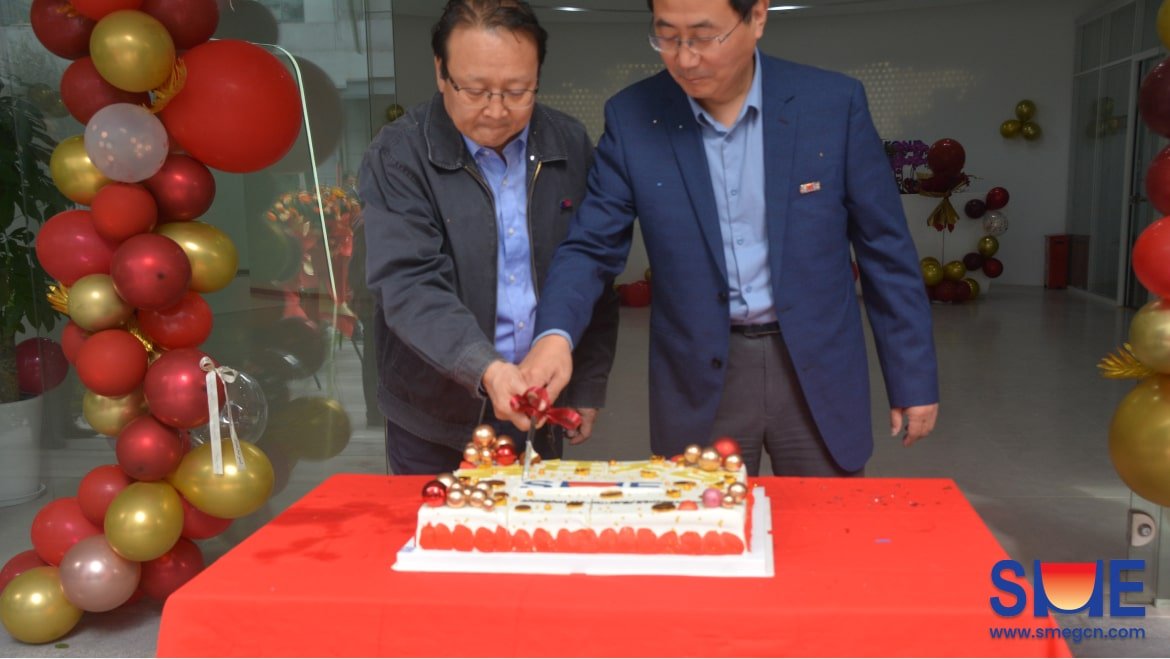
{"x":751,"y":178}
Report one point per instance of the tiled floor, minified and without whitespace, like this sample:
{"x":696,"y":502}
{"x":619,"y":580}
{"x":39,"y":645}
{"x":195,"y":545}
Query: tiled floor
{"x":1023,"y":431}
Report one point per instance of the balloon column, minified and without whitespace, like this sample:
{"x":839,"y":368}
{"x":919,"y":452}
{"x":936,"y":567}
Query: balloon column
{"x":1139,"y":434}
{"x":950,"y":282}
{"x":160,"y":104}
{"x":1023,"y":124}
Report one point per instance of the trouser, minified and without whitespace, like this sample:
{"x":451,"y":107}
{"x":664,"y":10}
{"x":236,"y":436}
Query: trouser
{"x":764,"y":408}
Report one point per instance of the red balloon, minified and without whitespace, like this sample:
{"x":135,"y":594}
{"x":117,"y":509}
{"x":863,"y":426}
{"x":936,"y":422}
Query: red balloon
{"x":198,"y":525}
{"x":112,"y":363}
{"x":150,"y":271}
{"x":72,"y":336}
{"x":122,"y":210}
{"x":992,"y":267}
{"x":1151,"y":258}
{"x":98,"y":488}
{"x":1154,"y":99}
{"x":1158,"y":182}
{"x":60,"y":29}
{"x":946,"y":156}
{"x":175,"y":388}
{"x":57,"y":527}
{"x":635,"y":294}
{"x":185,"y":325}
{"x":25,"y":560}
{"x":163,"y":575}
{"x":40,"y":365}
{"x":97,"y":9}
{"x":183,"y":188}
{"x":974,"y":209}
{"x":69,"y":247}
{"x":190,"y":22}
{"x":946,"y":290}
{"x":148,"y":450}
{"x":84,"y":91}
{"x":997,"y":198}
{"x":239,"y":111}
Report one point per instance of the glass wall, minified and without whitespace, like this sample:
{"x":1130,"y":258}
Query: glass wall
{"x":294,"y":319}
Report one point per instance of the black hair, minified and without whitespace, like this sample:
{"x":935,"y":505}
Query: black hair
{"x":511,"y":15}
{"x":743,"y":7}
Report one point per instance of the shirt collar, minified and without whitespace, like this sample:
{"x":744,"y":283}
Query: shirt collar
{"x":754,"y":99}
{"x":520,"y":142}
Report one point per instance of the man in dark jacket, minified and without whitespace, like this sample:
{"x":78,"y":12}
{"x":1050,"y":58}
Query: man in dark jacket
{"x":466,"y":199}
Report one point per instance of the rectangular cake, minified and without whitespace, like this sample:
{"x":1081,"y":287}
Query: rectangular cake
{"x":655,"y":506}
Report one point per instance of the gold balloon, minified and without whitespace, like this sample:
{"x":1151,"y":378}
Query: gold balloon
{"x":74,"y":173}
{"x":1139,"y":439}
{"x":314,"y":428}
{"x":1149,"y":336}
{"x":1010,"y":128}
{"x":1031,"y":130}
{"x":932,"y":273}
{"x":34,"y":608}
{"x":132,"y":50}
{"x":973,"y":284}
{"x":235,"y":493}
{"x":213,"y":255}
{"x":987,"y":246}
{"x":95,"y":306}
{"x":1163,"y":23}
{"x":930,"y":259}
{"x":108,"y":415}
{"x":954,"y":270}
{"x":1025,"y":110}
{"x":144,"y":521}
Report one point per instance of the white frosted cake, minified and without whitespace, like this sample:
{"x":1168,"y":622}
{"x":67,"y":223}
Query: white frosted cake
{"x":695,"y":503}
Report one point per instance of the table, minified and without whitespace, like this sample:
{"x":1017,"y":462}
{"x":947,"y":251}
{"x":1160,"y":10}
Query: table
{"x":873,"y":567}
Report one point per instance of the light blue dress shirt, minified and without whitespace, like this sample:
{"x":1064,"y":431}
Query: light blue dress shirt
{"x":735,"y":158}
{"x":515,"y":293}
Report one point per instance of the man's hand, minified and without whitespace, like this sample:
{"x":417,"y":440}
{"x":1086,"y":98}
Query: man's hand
{"x":585,"y":430}
{"x":918,"y":422}
{"x":549,"y":364}
{"x":502,"y":381}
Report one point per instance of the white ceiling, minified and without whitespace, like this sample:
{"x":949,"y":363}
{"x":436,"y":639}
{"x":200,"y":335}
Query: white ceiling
{"x":635,"y":10}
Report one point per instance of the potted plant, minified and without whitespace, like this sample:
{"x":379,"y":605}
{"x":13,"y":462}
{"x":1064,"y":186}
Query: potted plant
{"x":28,"y":197}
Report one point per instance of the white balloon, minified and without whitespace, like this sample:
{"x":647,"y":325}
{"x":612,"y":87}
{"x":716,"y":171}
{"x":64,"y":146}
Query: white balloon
{"x":249,"y":410}
{"x":995,"y":223}
{"x":126,"y":142}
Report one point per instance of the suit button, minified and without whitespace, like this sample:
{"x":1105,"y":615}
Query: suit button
{"x":716,"y":363}
{"x":723,"y":296}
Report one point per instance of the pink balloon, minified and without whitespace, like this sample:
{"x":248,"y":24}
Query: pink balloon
{"x":163,"y":575}
{"x":175,"y":389}
{"x":95,"y":578}
{"x":69,"y":247}
{"x":150,"y":271}
{"x":25,"y":560}
{"x":184,"y":188}
{"x":40,"y":365}
{"x":148,"y":450}
{"x":198,"y":525}
{"x":98,"y":488}
{"x":57,"y":527}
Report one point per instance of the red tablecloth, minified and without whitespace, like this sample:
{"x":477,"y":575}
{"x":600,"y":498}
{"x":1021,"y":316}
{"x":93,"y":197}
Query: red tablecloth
{"x":872,"y":567}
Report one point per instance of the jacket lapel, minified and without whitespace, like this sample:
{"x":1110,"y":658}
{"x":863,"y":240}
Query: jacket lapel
{"x":687,"y":141}
{"x":780,"y":119}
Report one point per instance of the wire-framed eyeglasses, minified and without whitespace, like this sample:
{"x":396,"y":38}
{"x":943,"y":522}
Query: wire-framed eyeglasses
{"x":513,"y":99}
{"x":697,"y":45}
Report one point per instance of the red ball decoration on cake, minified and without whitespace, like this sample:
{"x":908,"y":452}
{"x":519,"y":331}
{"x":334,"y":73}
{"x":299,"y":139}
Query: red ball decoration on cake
{"x":505,"y":454}
{"x":434,"y":494}
{"x":726,"y":446}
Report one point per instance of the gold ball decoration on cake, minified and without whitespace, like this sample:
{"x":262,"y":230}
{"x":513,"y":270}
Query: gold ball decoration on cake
{"x":738,"y":492}
{"x":476,"y":498}
{"x":709,"y":459}
{"x":446,"y":478}
{"x":456,"y":498}
{"x":483,"y":436}
{"x":485,"y":456}
{"x":691,"y":454}
{"x":728,"y":501}
{"x":471,"y":453}
{"x":733,"y":462}
{"x":489,"y":504}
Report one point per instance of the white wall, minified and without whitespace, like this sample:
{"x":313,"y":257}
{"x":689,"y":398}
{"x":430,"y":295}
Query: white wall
{"x":954,"y":72}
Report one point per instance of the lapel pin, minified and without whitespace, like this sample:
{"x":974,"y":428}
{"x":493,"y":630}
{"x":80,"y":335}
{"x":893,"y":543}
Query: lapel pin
{"x":566,"y":204}
{"x":806,"y":188}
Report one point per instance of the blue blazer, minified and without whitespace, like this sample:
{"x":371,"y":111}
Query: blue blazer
{"x":650,"y":165}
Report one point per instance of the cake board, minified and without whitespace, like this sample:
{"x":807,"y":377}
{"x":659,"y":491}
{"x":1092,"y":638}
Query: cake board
{"x":757,"y":562}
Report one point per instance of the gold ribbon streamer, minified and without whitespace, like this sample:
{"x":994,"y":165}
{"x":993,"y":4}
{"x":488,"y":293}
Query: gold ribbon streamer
{"x":58,"y":296}
{"x":944,"y":215}
{"x":171,"y":88}
{"x":1123,"y":365}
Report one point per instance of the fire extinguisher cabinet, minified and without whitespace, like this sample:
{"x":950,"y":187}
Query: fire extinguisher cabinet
{"x":1056,"y":261}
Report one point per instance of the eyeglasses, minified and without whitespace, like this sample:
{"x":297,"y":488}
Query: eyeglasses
{"x":513,"y":99}
{"x":697,"y":45}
